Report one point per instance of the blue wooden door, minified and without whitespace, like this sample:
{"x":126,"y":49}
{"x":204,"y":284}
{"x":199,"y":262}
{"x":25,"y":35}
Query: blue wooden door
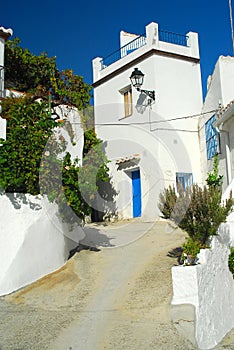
{"x":136,"y":193}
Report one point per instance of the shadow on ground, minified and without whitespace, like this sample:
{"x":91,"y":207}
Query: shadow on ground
{"x":92,"y":241}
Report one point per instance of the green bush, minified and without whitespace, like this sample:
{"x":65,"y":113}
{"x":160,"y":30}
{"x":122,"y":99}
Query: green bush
{"x":199,"y":211}
{"x":231,"y":261}
{"x":167,"y":201}
{"x":213,"y":178}
{"x":204,"y":212}
{"x":30,"y":159}
{"x":191,"y":248}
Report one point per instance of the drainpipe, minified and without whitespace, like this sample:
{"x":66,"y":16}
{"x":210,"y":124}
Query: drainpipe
{"x":4,"y":35}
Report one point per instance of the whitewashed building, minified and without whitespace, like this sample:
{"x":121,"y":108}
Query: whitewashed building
{"x":212,"y":315}
{"x":217,"y":123}
{"x":151,"y":142}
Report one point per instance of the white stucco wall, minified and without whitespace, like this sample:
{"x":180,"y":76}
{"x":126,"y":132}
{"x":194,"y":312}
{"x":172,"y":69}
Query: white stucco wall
{"x":226,"y":158}
{"x":161,"y":155}
{"x":163,"y":135}
{"x":126,"y":37}
{"x":226,"y":77}
{"x":209,"y":287}
{"x":72,"y":131}
{"x":33,"y":240}
{"x":220,"y":93}
{"x":230,"y":227}
{"x":4,"y":34}
{"x":2,"y":127}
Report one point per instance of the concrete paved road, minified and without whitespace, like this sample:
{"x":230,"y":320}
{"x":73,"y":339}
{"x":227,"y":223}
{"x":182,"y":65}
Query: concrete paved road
{"x":116,"y":298}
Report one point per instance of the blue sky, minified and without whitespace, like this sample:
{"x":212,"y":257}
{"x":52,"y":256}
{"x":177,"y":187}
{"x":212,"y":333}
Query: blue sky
{"x":78,"y":31}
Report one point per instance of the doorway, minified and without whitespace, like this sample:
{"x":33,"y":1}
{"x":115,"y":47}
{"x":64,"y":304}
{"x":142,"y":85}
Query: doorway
{"x":136,"y":193}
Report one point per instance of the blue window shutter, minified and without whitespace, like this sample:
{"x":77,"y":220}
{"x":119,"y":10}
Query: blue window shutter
{"x":211,"y":138}
{"x":184,"y":179}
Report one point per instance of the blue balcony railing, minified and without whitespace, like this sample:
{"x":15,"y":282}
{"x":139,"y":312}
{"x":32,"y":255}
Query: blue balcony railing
{"x":169,"y":37}
{"x":173,"y":38}
{"x":124,"y":51}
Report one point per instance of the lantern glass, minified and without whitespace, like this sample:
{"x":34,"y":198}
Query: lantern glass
{"x":137,"y":78}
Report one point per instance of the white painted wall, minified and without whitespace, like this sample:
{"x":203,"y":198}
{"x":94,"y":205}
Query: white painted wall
{"x":126,"y":38}
{"x":33,"y":240}
{"x":226,"y":157}
{"x":4,"y":34}
{"x":71,"y":130}
{"x":208,"y":286}
{"x":166,"y":146}
{"x":220,"y":91}
{"x":2,"y":127}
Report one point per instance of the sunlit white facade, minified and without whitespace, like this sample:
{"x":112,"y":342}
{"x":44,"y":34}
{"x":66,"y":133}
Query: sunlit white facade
{"x":158,"y":139}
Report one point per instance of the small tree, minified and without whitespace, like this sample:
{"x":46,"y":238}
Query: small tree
{"x":37,"y":74}
{"x":29,"y":161}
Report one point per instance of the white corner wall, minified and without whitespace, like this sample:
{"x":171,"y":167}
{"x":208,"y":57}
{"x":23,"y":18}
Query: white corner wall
{"x":2,"y":128}
{"x":220,"y":91}
{"x":72,"y":132}
{"x":208,"y":286}
{"x":33,"y":240}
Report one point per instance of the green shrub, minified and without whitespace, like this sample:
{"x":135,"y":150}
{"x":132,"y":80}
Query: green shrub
{"x":231,"y":261}
{"x":30,"y":159}
{"x":213,"y":178}
{"x":167,"y":200}
{"x":191,"y":248}
{"x":204,"y":213}
{"x":199,"y":211}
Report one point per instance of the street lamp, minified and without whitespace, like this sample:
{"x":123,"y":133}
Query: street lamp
{"x":137,"y":78}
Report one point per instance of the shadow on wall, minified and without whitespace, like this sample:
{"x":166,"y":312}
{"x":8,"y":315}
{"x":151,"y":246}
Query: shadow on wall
{"x":129,"y":164}
{"x":142,"y":103}
{"x":104,"y":203}
{"x":19,"y":199}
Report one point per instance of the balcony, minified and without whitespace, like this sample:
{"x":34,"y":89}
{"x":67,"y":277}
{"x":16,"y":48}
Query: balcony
{"x":165,"y":36}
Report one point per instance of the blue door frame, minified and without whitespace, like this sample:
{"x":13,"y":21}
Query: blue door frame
{"x":136,"y":193}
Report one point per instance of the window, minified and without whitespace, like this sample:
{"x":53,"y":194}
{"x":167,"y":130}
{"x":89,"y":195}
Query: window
{"x":128,"y":103}
{"x":184,"y":180}
{"x":127,"y":100}
{"x":212,"y":138}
